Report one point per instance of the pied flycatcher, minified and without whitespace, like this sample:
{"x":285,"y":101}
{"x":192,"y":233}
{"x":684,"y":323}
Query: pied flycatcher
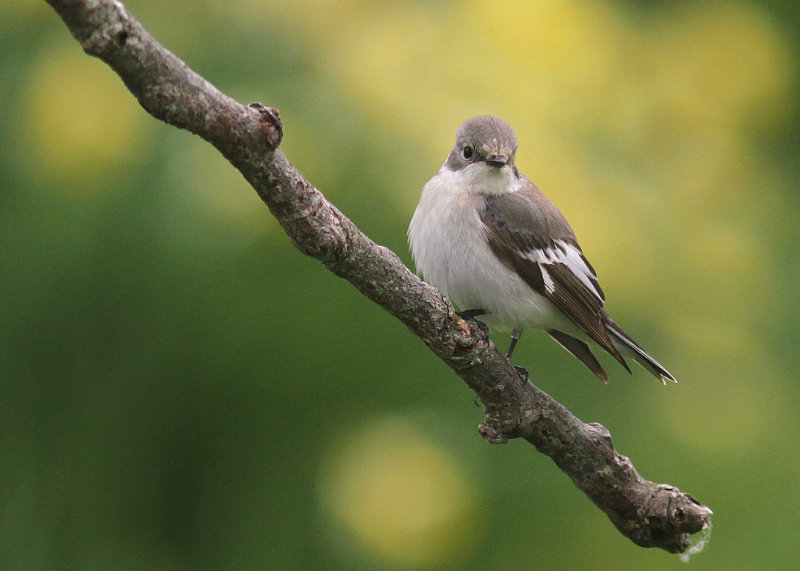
{"x":488,"y":238}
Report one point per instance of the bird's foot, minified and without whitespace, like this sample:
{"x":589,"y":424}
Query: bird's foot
{"x":470,"y":313}
{"x":523,"y":373}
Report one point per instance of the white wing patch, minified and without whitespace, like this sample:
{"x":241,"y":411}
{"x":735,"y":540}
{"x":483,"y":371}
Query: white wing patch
{"x":549,"y":285}
{"x":568,"y":255}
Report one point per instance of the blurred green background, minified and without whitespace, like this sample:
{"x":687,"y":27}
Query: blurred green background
{"x":181,"y":389}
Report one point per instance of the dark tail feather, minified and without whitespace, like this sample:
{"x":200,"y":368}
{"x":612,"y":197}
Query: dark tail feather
{"x":581,"y":351}
{"x":630,"y":348}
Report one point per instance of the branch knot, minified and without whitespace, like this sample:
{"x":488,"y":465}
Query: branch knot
{"x":270,"y":122}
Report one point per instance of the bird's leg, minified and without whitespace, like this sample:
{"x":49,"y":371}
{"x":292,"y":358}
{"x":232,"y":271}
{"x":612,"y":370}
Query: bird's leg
{"x":515,"y":335}
{"x":522,"y":371}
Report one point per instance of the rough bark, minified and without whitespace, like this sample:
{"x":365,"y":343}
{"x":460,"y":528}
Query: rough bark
{"x":650,"y":514}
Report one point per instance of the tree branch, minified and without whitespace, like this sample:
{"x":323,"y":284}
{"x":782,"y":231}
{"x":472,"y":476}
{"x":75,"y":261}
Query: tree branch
{"x":650,"y":514}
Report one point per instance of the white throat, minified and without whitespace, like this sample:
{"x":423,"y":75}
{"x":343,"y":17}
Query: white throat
{"x":481,"y":178}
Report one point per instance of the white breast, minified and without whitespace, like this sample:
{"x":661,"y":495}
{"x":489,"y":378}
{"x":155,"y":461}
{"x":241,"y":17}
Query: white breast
{"x":449,"y":245}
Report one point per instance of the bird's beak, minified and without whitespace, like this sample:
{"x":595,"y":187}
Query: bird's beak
{"x":497,"y":160}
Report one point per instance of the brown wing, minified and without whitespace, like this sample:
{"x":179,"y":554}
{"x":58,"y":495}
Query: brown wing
{"x":528,"y":233}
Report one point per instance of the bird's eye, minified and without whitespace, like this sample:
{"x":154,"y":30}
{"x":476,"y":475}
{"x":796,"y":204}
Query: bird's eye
{"x":467,"y":152}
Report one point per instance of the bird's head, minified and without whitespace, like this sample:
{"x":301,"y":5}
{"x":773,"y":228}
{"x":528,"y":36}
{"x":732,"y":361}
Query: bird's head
{"x":484,"y":155}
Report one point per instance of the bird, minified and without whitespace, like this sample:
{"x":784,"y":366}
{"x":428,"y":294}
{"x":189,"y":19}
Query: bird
{"x":489,"y":239}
